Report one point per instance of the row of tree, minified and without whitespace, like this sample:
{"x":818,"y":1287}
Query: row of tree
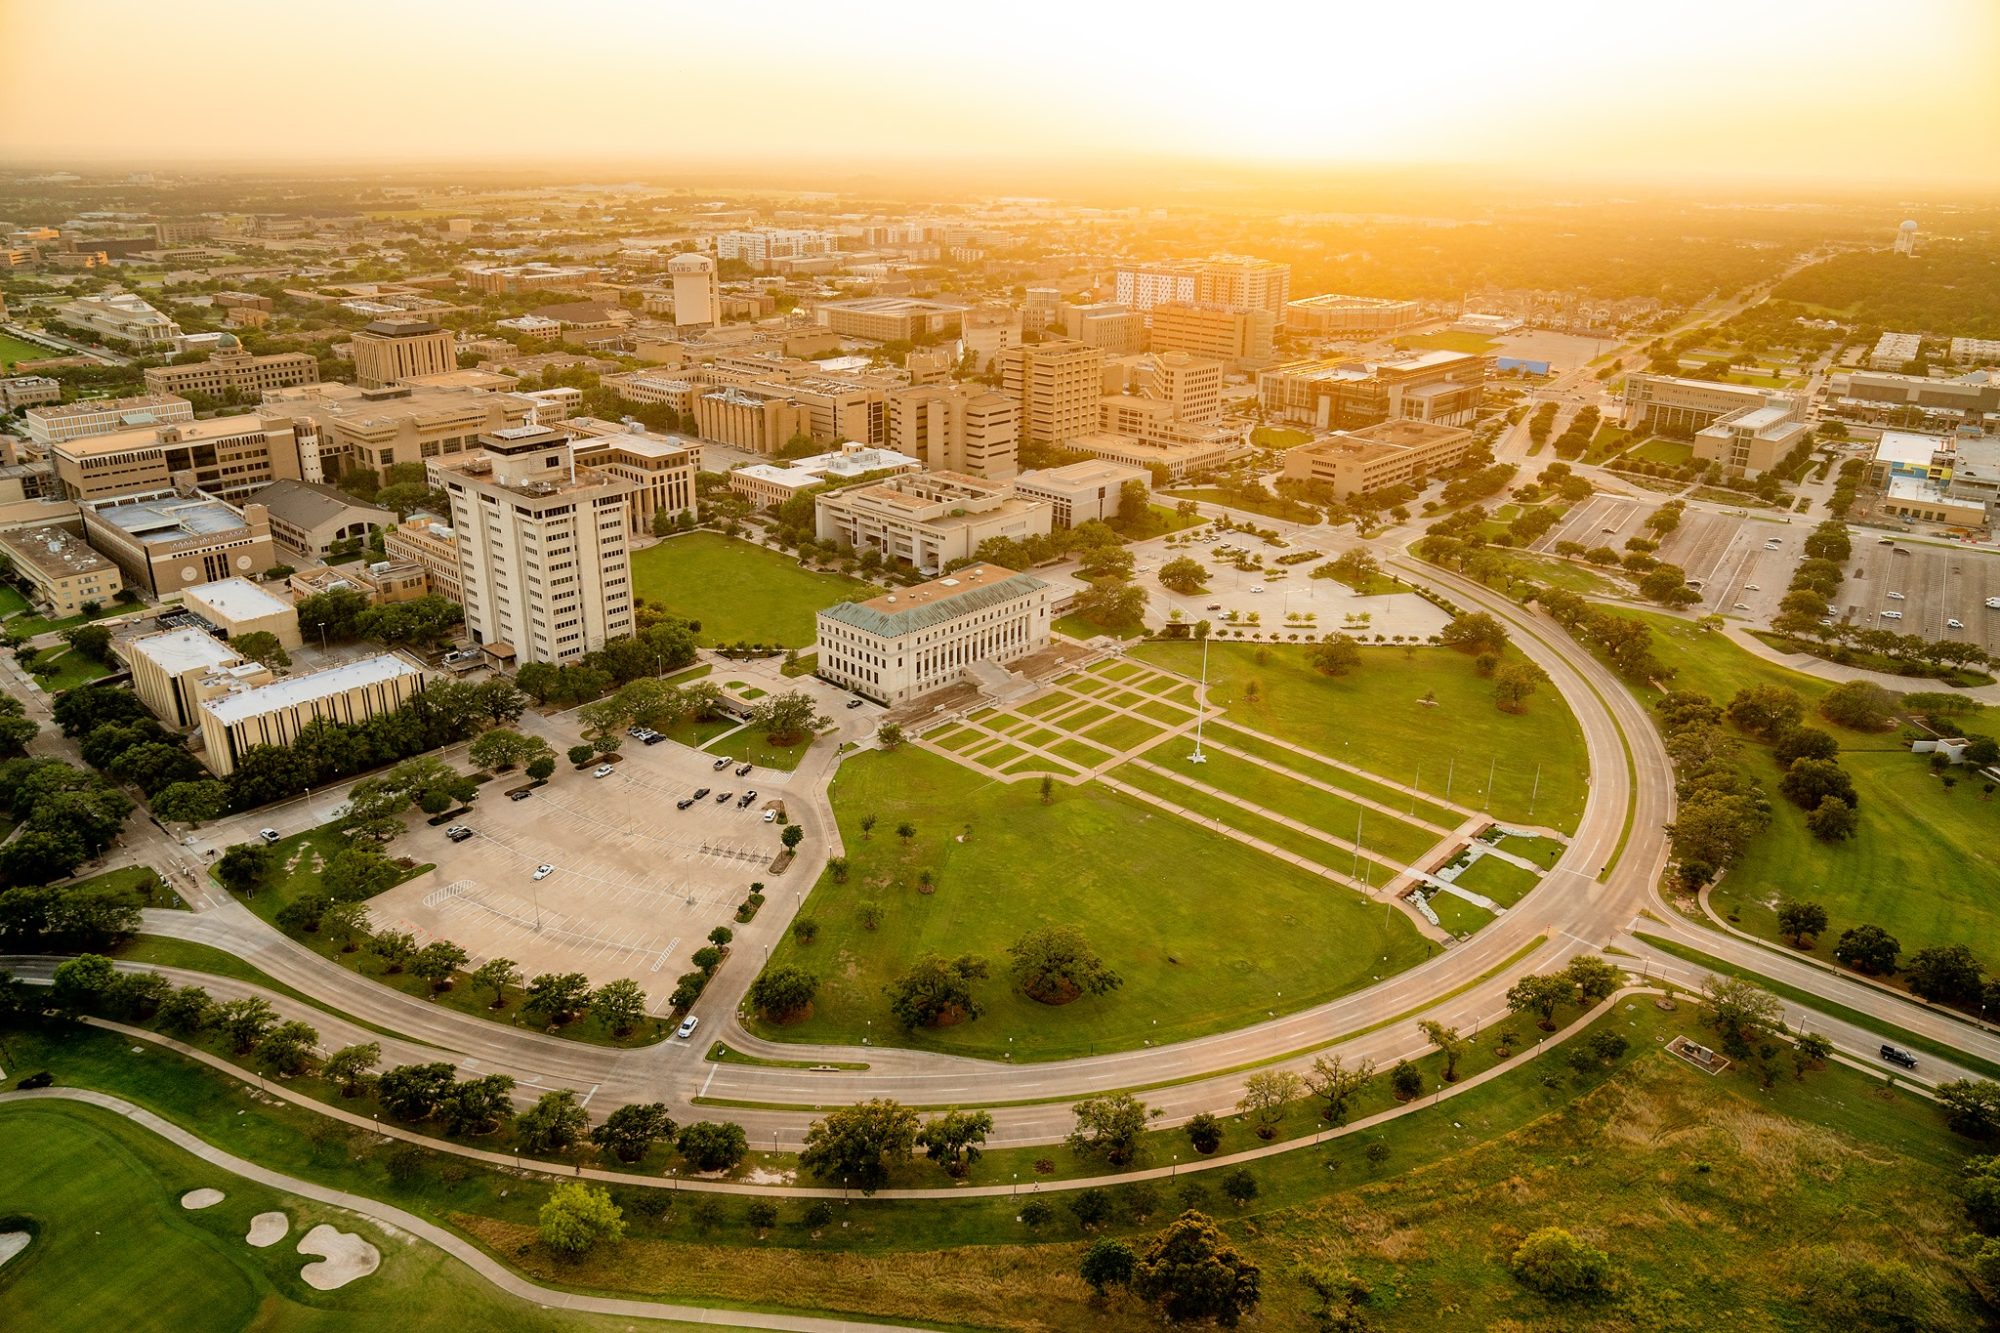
{"x":663,"y":643}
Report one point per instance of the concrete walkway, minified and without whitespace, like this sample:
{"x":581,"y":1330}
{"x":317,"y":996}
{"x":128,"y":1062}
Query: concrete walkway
{"x":457,"y":1247}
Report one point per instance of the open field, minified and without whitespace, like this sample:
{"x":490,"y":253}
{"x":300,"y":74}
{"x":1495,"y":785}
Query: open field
{"x":1376,"y":718}
{"x":1450,"y":340}
{"x":1283,"y":511}
{"x":1671,"y":453}
{"x":1160,"y":899}
{"x":71,"y":669}
{"x":1279,"y":437}
{"x":13,"y":349}
{"x":737,"y":590}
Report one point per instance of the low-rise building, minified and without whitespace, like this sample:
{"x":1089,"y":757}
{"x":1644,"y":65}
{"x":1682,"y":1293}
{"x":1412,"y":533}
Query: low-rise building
{"x":235,"y":371}
{"x":1443,"y":388}
{"x":1082,"y":492}
{"x":1749,"y":441}
{"x":50,"y":426}
{"x":1670,"y":403}
{"x":167,"y":669}
{"x":535,"y":277}
{"x":754,"y":419}
{"x":382,"y":582}
{"x":378,"y":428}
{"x":660,"y":468}
{"x":890,"y":318}
{"x":1179,"y":458}
{"x":170,"y":541}
{"x":1976,"y":351}
{"x":236,"y":715}
{"x":768,"y":485}
{"x":1358,"y":461}
{"x":19,"y":391}
{"x":1334,"y":315}
{"x":122,"y":318}
{"x":231,"y":457}
{"x":60,"y":568}
{"x":237,"y":607}
{"x":309,"y":519}
{"x":915,"y":640}
{"x":1895,"y":350}
{"x":1969,"y":396}
{"x":427,"y":542}
{"x":926,"y":520}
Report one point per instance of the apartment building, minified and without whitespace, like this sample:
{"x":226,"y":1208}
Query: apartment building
{"x":1118,"y":329}
{"x":1333,"y":315}
{"x":235,"y":371}
{"x":1976,"y":351}
{"x":236,"y":714}
{"x":769,"y":485}
{"x":1081,"y":492}
{"x":1354,"y":462}
{"x":1670,"y":403}
{"x":889,"y":318}
{"x":171,"y":540}
{"x":429,"y":543}
{"x":390,"y":350}
{"x":123,"y":319}
{"x":60,"y":568}
{"x":1749,"y":441}
{"x":236,"y":606}
{"x":660,"y":468}
{"x":957,"y":428}
{"x":1058,"y":385}
{"x":309,"y":519}
{"x":378,"y":428}
{"x":1440,"y":387}
{"x":1237,"y":337}
{"x":1190,"y":385}
{"x":1229,"y":282}
{"x":903,"y":644}
{"x":510,"y":279}
{"x":697,"y":295}
{"x":543,"y":544}
{"x":759,"y":246}
{"x":926,"y":520}
{"x":49,"y":426}
{"x":167,"y":667}
{"x":19,"y":391}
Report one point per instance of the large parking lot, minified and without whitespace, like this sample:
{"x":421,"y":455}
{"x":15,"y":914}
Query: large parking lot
{"x":636,"y":883}
{"x":1938,"y":584}
{"x":1742,"y":563}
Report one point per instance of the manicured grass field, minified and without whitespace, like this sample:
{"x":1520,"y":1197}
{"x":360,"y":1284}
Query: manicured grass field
{"x":738,"y":590}
{"x":1672,"y":453}
{"x":1217,"y":496}
{"x":11,"y":600}
{"x":1493,"y":878}
{"x":71,"y":669}
{"x":14,"y":349}
{"x":747,"y":745}
{"x":1450,"y":340}
{"x":1336,"y":815}
{"x":1076,"y":627}
{"x":1279,"y":437}
{"x":1206,"y":933}
{"x":1375,"y":718}
{"x":1413,"y":806}
{"x":1457,"y":915}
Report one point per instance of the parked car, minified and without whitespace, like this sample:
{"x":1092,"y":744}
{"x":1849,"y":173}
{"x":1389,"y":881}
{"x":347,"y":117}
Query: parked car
{"x":684,"y":802}
{"x":770,"y":816}
{"x":743,"y":801}
{"x":744,"y":771}
{"x":1896,"y":1055}
{"x":700,"y":792}
{"x":601,"y":771}
{"x":687,"y":1027}
{"x":1954,"y":624}
{"x":653,"y":738}
{"x":1892,"y":615}
{"x":723,"y":798}
{"x":722,"y":763}
{"x":458,"y":833}
{"x":856,"y":703}
{"x":1897,"y":597}
{"x":268,"y":834}
{"x":521,"y":795}
{"x":544,"y":870}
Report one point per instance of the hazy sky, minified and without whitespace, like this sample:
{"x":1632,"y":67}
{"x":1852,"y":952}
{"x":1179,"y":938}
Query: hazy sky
{"x":1866,"y":91}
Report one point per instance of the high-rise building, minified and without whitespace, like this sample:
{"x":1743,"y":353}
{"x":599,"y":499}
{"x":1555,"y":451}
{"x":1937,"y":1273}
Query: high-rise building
{"x":697,"y":295}
{"x":1191,"y":385}
{"x":762,"y":245}
{"x":1228,"y":282}
{"x":389,"y":350}
{"x":1239,"y":337}
{"x":543,"y":546}
{"x":957,"y":428}
{"x":1118,"y":329}
{"x":1058,"y":385}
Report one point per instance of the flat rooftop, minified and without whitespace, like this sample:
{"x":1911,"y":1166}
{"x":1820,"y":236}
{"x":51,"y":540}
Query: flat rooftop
{"x":1909,"y":448}
{"x":55,"y":551}
{"x":238,"y":599}
{"x":178,"y":651}
{"x":894,"y":305}
{"x":146,"y":434}
{"x":169,"y":518}
{"x":246,"y":704}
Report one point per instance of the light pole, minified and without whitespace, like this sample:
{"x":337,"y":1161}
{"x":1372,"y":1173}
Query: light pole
{"x":1201,"y":708}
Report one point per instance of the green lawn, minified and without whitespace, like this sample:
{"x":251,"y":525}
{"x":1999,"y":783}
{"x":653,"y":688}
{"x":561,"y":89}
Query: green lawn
{"x":1499,"y":880}
{"x":1279,"y":437}
{"x":1283,"y":510}
{"x":1376,"y":719}
{"x":143,"y":880}
{"x":1281,"y":794}
{"x":113,"y":1247}
{"x":748,"y":746}
{"x":14,"y":349}
{"x":1672,"y":453}
{"x":1450,"y":340}
{"x":1321,"y":771}
{"x":1159,"y":521}
{"x":1153,"y":894}
{"x":1457,"y":915}
{"x":739,"y":591}
{"x":11,"y":600}
{"x":1076,"y":627}
{"x":71,"y":669}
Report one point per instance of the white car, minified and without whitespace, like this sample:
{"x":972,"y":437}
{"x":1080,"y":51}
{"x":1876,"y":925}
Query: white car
{"x":1256,"y":589}
{"x":601,"y":771}
{"x":544,"y":871}
{"x":687,"y":1027}
{"x":1993,"y":604}
{"x":1892,"y":615}
{"x":1954,"y":624}
{"x":770,"y":816}
{"x":1751,"y":587}
{"x":1897,"y":597}
{"x":268,"y":834}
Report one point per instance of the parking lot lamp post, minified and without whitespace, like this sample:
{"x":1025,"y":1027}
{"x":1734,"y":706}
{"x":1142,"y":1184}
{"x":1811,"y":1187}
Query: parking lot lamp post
{"x":1201,"y":708}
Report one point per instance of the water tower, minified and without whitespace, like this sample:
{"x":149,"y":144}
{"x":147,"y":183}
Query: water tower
{"x":1906,"y":237}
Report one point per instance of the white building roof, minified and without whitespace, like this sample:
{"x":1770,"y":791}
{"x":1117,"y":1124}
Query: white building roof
{"x":282,"y":694}
{"x":239,"y":599}
{"x":179,"y":651}
{"x":1902,"y":446}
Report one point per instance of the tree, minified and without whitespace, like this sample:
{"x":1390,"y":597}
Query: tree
{"x":631,"y":1130}
{"x":262,"y":646}
{"x":783,"y":992}
{"x":187,"y":1011}
{"x":554,"y":1124}
{"x":1739,"y":1012}
{"x":953,"y":1139}
{"x":1107,"y":1263}
{"x":1513,"y":682}
{"x":1833,"y":820}
{"x":245,"y":1022}
{"x":1112,"y":604}
{"x":1869,"y":950}
{"x":1335,"y":655}
{"x":1474,"y":633}
{"x":889,"y":735}
{"x":1406,"y":1081}
{"x":1979,"y":1191}
{"x":788,"y":718}
{"x":709,"y":1145}
{"x":577,"y":1218}
{"x":349,"y":1067}
{"x":1594,"y":978}
{"x":501,"y":749}
{"x":191,"y":802}
{"x":1808,"y":782}
{"x":557,"y":997}
{"x":1090,"y":1208}
{"x":80,"y":985}
{"x":1449,"y":1044}
{"x":1555,"y":1263}
{"x":244,"y":866}
{"x":414,"y":1092}
{"x":287,"y":1049}
{"x":1265,"y":1095}
{"x":793,"y":835}
{"x":860,"y":1144}
{"x":1944,"y":974}
{"x":1858,"y":705}
{"x":1971,"y":1107}
{"x":1541,"y":996}
{"x":1109,"y":1126}
{"x":1810,"y":1050}
{"x":1054,"y":965}
{"x":1766,"y":710}
{"x":936,"y":991}
{"x":436,"y":961}
{"x":1192,"y":1271}
{"x":581,"y":754}
{"x":358,"y":872}
{"x":1239,"y":1187}
{"x":496,"y":975}
{"x":1800,"y":742}
{"x":1047,"y":789}
{"x":1799,"y":920}
{"x":1340,"y":1299}
{"x":1337,"y":1084}
{"x":394,"y":947}
{"x":1184,"y":576}
{"x":620,"y":1005}
{"x":541,"y":767}
{"x":1204,"y":1132}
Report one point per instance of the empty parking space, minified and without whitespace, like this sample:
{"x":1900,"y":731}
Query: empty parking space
{"x":1938,"y":584}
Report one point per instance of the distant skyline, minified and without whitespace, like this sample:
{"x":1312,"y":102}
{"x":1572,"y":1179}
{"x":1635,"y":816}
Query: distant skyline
{"x":1771,"y":91}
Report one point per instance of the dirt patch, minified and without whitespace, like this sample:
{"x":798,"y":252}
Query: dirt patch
{"x":344,"y":1257}
{"x":267,"y":1229}
{"x":202,"y":1198}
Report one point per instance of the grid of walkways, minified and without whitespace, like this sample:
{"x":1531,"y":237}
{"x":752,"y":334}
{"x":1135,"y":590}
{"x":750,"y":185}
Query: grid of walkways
{"x":1131,"y":727}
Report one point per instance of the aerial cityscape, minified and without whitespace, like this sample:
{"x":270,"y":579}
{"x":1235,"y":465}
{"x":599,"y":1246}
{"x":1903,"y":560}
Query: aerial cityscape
{"x":1299,"y":667}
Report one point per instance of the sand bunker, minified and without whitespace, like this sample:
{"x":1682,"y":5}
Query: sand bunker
{"x":12,"y":1243}
{"x":344,"y":1257}
{"x":268,"y":1229}
{"x":194,"y":1199}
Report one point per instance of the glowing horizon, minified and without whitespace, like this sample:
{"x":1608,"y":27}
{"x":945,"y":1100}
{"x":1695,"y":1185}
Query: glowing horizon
{"x":1837,"y":90}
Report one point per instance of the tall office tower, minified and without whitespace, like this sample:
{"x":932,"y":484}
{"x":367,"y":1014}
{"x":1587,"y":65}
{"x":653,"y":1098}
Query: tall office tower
{"x":1058,"y":385}
{"x":395,"y":349}
{"x":957,"y":428}
{"x":697,"y":297}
